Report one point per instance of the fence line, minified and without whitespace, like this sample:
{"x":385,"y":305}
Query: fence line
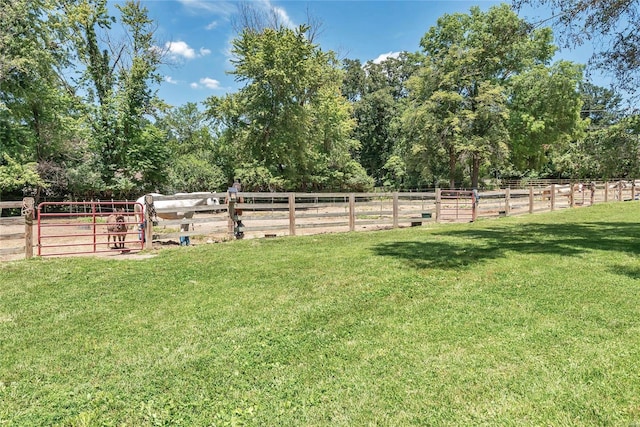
{"x":271,"y":214}
{"x":288,"y":214}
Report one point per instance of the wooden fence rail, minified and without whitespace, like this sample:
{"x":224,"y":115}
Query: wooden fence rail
{"x":289,"y":214}
{"x":272,"y":214}
{"x":16,"y":232}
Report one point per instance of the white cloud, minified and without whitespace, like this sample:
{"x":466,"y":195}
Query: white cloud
{"x":282,"y":14}
{"x":180,"y":48}
{"x":194,"y":85}
{"x":210,"y":83}
{"x":171,"y":80}
{"x":212,"y":25}
{"x":227,"y":8}
{"x":384,"y":56}
{"x":224,"y":8}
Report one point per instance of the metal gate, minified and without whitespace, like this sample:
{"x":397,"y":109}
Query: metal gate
{"x":458,"y":205}
{"x":76,"y":228}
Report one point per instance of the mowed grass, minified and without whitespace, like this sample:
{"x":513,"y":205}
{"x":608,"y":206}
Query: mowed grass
{"x":531,"y":320}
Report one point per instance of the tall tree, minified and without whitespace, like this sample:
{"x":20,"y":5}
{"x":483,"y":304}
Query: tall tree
{"x":40,"y":120}
{"x":196,"y":163}
{"x":376,"y":92}
{"x":119,"y":78}
{"x":462,"y":89}
{"x":290,"y":117}
{"x":545,"y":114}
{"x":462,"y":98}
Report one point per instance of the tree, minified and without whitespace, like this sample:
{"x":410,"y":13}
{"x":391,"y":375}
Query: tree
{"x":545,"y":110}
{"x":40,"y":115}
{"x":16,"y":176}
{"x":118,"y":81}
{"x":376,"y":92}
{"x":196,"y":162}
{"x":459,"y":99}
{"x":602,"y":106}
{"x":610,"y":148}
{"x":290,"y":117}
{"x":613,"y":27}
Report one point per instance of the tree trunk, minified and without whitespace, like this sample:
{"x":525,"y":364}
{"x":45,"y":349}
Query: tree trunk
{"x":475,"y":171}
{"x":452,"y":168}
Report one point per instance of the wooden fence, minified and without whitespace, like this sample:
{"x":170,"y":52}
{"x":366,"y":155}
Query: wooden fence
{"x":289,"y":214}
{"x":282,"y":214}
{"x":16,"y":232}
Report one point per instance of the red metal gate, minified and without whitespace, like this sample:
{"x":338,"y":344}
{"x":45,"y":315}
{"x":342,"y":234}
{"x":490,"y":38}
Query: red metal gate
{"x":75,"y":228}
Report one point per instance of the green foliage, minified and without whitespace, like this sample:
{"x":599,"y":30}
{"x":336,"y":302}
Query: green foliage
{"x":611,"y":152}
{"x":17,"y":176}
{"x":85,"y":181}
{"x":609,"y":26}
{"x":469,"y":102}
{"x":289,"y":118}
{"x":545,"y":113}
{"x":194,"y":173}
{"x":118,"y":88}
{"x":257,"y":178}
{"x":377,"y":91}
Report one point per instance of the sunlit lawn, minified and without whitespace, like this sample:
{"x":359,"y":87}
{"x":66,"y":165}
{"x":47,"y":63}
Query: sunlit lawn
{"x":516,"y":321}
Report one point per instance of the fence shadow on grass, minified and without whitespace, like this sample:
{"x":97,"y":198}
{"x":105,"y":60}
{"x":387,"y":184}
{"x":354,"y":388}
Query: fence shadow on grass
{"x":465,"y":248}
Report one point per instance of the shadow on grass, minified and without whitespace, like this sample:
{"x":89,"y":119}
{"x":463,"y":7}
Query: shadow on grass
{"x":461,"y":248}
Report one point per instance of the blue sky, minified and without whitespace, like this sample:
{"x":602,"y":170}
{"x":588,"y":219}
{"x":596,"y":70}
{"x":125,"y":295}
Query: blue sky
{"x":198,"y":33}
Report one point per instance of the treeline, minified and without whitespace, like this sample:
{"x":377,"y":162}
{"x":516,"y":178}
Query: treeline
{"x":80,"y":116}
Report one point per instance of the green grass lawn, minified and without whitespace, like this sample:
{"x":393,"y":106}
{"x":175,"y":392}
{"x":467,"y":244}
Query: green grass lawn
{"x":531,"y":320}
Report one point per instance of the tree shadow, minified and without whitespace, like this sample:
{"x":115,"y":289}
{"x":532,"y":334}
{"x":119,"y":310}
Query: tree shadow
{"x":631,"y":272}
{"x":462,"y":248}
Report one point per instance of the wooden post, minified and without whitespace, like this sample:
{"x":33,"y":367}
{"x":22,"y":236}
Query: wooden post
{"x":507,"y":201}
{"x":231,"y":211}
{"x":571,"y":198}
{"x":606,"y":191}
{"x":148,"y":222}
{"x":395,"y":209}
{"x":619,"y":191}
{"x":552,"y":197}
{"x":292,"y":214}
{"x":352,"y":212}
{"x":438,"y":203}
{"x":27,"y":208}
{"x":530,"y":200}
{"x":474,"y":204}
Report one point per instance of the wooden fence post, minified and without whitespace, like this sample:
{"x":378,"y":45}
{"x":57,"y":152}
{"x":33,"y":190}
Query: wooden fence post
{"x":27,"y":208}
{"x":552,"y":197}
{"x":571,"y":198}
{"x":148,"y":223}
{"x":438,"y":203}
{"x":619,"y":191}
{"x":352,"y":212}
{"x":530,"y":200}
{"x":474,"y":204}
{"x":507,"y":201}
{"x":606,"y":191}
{"x":292,"y":214}
{"x":395,"y":209}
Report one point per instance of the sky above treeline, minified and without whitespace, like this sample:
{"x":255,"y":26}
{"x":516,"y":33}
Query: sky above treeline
{"x":198,"y":33}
